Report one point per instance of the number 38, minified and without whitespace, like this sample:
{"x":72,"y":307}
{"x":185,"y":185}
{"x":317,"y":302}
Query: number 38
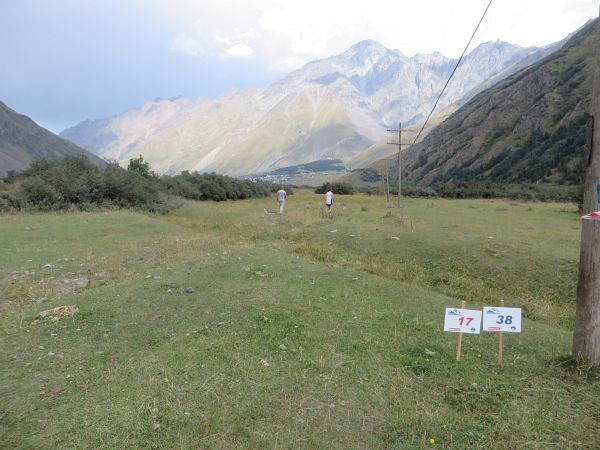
{"x":504,"y":320}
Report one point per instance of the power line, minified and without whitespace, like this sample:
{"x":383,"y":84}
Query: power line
{"x":455,"y":67}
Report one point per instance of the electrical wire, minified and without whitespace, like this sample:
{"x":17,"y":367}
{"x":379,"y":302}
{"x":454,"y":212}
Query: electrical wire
{"x":455,"y":67}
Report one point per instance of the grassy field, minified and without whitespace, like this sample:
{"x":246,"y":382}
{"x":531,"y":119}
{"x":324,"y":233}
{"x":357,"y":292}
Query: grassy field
{"x":222,"y":325}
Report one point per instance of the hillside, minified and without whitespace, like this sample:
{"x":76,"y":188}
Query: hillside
{"x":333,"y":108}
{"x":529,"y":128}
{"x":23,"y":141}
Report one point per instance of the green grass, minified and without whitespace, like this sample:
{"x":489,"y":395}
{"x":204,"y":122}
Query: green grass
{"x":295,"y":336}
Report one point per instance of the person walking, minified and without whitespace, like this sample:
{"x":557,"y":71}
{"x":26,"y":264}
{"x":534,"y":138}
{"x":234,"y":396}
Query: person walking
{"x":329,"y":200}
{"x":281,"y":196}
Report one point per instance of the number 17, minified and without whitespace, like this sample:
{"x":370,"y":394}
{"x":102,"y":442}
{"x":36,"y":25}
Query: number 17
{"x":469,"y":320}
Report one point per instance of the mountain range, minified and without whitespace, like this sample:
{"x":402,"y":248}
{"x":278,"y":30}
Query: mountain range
{"x":334,"y":108}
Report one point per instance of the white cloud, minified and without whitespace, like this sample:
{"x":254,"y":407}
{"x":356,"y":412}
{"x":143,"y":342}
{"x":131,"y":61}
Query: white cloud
{"x":238,"y":51}
{"x":284,"y":34}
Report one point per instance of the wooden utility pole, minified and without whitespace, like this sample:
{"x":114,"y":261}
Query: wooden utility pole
{"x":399,"y":161}
{"x":385,"y":178}
{"x":387,"y":181}
{"x":399,"y":144}
{"x":586,"y":338}
{"x":382,"y":179}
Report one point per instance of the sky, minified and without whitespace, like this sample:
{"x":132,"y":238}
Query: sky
{"x":64,"y":61}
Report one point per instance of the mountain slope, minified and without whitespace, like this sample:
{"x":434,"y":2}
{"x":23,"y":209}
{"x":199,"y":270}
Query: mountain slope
{"x":331,"y":108}
{"x":22,"y":141}
{"x":530,"y":127}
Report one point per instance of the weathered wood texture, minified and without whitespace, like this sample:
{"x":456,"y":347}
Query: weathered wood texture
{"x":586,"y":338}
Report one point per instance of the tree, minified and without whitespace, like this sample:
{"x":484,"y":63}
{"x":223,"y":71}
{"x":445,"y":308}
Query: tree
{"x":140,"y":166}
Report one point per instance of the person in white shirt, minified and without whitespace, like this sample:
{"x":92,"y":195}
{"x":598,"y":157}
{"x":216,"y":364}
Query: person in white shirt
{"x":329,"y":200}
{"x":281,"y":195}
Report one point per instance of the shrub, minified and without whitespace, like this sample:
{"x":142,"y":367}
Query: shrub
{"x":125,"y":188}
{"x":337,"y":188}
{"x":10,"y":199}
{"x":57,"y":184}
{"x":543,"y":192}
{"x":75,"y":182}
{"x":40,"y":193}
{"x":210,"y":186}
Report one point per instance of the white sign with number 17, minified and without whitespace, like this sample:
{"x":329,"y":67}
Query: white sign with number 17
{"x":462,"y":320}
{"x":497,"y":318}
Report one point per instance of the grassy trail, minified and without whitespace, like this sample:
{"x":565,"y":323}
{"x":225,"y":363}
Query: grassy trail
{"x":300,"y":332}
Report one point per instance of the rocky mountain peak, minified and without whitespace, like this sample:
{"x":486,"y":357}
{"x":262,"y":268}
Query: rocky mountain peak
{"x":367,"y":49}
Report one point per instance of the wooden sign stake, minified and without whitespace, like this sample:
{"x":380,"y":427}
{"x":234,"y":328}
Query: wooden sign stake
{"x":459,"y":343}
{"x":500,"y":340}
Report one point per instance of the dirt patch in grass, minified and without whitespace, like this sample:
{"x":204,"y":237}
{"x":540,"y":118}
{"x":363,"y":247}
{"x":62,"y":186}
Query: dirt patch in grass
{"x":53,"y":392}
{"x":57,"y":313}
{"x":68,"y":285}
